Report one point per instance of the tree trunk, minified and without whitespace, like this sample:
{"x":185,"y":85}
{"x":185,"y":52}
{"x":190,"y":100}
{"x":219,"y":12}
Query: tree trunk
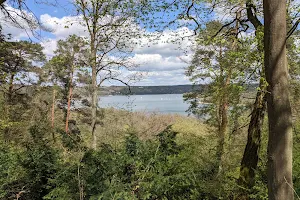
{"x":53,"y":107}
{"x":279,"y":109}
{"x":94,"y":93}
{"x":223,"y":110}
{"x":69,"y":108}
{"x":70,"y":96}
{"x":53,"y":112}
{"x":10,"y":89}
{"x":94,"y":108}
{"x":80,"y":186}
{"x":251,"y":153}
{"x":223,"y":123}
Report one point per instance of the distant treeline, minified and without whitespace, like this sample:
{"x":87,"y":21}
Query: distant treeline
{"x":144,"y":90}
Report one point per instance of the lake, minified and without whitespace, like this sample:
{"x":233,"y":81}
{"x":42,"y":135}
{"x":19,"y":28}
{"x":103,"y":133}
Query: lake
{"x":163,"y":103}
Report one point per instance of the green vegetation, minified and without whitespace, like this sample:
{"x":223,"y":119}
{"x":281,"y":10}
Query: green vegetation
{"x":237,"y":146}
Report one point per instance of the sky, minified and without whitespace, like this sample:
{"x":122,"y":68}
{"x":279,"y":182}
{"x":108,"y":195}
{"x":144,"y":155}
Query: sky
{"x":162,"y":63}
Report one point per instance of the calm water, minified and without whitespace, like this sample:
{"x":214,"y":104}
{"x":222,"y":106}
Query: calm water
{"x":163,"y":103}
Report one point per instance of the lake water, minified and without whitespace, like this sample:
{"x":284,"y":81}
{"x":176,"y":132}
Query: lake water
{"x":163,"y":103}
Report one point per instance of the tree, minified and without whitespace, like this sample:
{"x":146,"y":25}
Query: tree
{"x":17,"y":61}
{"x":70,"y":56}
{"x":279,"y":109}
{"x":109,"y":25}
{"x":253,"y":13}
{"x":18,"y":74}
{"x":250,"y":157}
{"x":251,"y":19}
{"x":250,"y":12}
{"x":217,"y":58}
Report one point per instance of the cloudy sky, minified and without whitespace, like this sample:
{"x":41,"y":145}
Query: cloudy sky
{"x":162,"y":63}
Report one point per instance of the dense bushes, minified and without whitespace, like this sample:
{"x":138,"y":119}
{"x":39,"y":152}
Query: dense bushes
{"x":26,"y":172}
{"x":168,"y":165}
{"x":154,"y":169}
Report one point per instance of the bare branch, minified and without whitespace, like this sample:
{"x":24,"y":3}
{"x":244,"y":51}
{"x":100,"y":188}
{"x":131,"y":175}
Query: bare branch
{"x":293,"y":29}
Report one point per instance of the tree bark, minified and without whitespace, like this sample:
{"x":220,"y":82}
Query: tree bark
{"x":279,"y":109}
{"x":94,"y":92}
{"x":223,"y":122}
{"x":223,"y":110}
{"x":10,"y":88}
{"x":53,"y":112}
{"x":69,"y":108}
{"x":53,"y":108}
{"x":251,"y":153}
{"x":70,"y":93}
{"x":94,"y":107}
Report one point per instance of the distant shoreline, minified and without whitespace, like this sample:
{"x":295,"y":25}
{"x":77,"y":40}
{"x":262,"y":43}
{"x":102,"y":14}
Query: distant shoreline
{"x":134,"y":94}
{"x":149,"y":90}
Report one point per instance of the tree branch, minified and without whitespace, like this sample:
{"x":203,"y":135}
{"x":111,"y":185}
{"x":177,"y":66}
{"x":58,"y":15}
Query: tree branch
{"x":192,"y":18}
{"x":251,"y":16}
{"x":292,"y":30}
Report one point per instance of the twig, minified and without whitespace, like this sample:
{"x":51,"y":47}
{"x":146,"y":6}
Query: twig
{"x":291,"y":188}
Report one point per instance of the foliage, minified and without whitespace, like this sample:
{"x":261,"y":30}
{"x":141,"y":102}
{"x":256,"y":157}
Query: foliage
{"x":139,"y":155}
{"x":29,"y":169}
{"x":18,"y":65}
{"x":215,"y":61}
{"x":138,"y":170}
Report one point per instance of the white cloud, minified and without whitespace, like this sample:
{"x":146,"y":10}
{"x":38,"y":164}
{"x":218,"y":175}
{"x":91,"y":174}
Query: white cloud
{"x":15,"y":24}
{"x":49,"y":47}
{"x":159,"y":58}
{"x":168,"y":43}
{"x":156,"y":62}
{"x":65,"y":26}
{"x":165,"y":78}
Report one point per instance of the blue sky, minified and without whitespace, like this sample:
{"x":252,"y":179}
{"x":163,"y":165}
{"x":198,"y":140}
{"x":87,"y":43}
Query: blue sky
{"x":162,"y":63}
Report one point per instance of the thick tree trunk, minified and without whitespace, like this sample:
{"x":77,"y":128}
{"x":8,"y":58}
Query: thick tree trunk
{"x":251,"y":153}
{"x":279,"y":109}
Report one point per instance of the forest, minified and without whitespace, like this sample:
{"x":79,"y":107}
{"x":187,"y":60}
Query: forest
{"x":240,"y":67}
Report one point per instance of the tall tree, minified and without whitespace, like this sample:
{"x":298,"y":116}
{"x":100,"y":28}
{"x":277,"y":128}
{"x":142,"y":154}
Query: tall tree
{"x":109,"y":25}
{"x":70,"y":56}
{"x":280,"y":186}
{"x":250,"y":13}
{"x":18,"y":74}
{"x":217,"y":58}
{"x":250,"y":157}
